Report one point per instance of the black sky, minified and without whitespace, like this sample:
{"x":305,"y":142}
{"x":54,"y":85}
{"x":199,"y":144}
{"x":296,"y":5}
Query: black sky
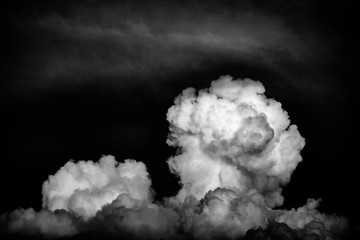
{"x":87,"y":78}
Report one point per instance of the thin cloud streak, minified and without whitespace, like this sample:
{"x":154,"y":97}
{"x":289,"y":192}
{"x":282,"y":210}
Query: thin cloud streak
{"x":119,"y":42}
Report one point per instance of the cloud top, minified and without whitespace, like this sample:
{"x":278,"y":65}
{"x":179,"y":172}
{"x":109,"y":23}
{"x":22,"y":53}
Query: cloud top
{"x":232,"y":136}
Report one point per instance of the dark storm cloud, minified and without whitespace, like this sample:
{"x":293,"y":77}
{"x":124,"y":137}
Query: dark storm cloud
{"x":114,"y":41}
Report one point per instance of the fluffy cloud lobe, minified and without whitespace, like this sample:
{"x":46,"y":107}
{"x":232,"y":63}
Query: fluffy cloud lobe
{"x":237,"y":150}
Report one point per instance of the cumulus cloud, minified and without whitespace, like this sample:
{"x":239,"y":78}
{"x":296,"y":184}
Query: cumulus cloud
{"x":232,"y":136}
{"x":83,"y":188}
{"x":237,"y":149}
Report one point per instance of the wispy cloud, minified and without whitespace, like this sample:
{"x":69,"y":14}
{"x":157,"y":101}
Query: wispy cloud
{"x":119,"y":41}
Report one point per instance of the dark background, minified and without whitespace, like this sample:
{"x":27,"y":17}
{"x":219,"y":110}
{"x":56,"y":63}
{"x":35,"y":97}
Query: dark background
{"x":70,"y":90}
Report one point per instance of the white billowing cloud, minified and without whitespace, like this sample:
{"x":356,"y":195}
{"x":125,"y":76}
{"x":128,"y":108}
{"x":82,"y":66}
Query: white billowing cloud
{"x":237,"y":150}
{"x":233,"y":137}
{"x":84,"y":187}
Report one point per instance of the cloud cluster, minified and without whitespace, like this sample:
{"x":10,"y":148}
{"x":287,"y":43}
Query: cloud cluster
{"x":236,"y":151}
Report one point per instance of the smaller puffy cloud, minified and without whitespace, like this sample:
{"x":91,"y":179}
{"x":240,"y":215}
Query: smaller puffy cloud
{"x":85,"y":187}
